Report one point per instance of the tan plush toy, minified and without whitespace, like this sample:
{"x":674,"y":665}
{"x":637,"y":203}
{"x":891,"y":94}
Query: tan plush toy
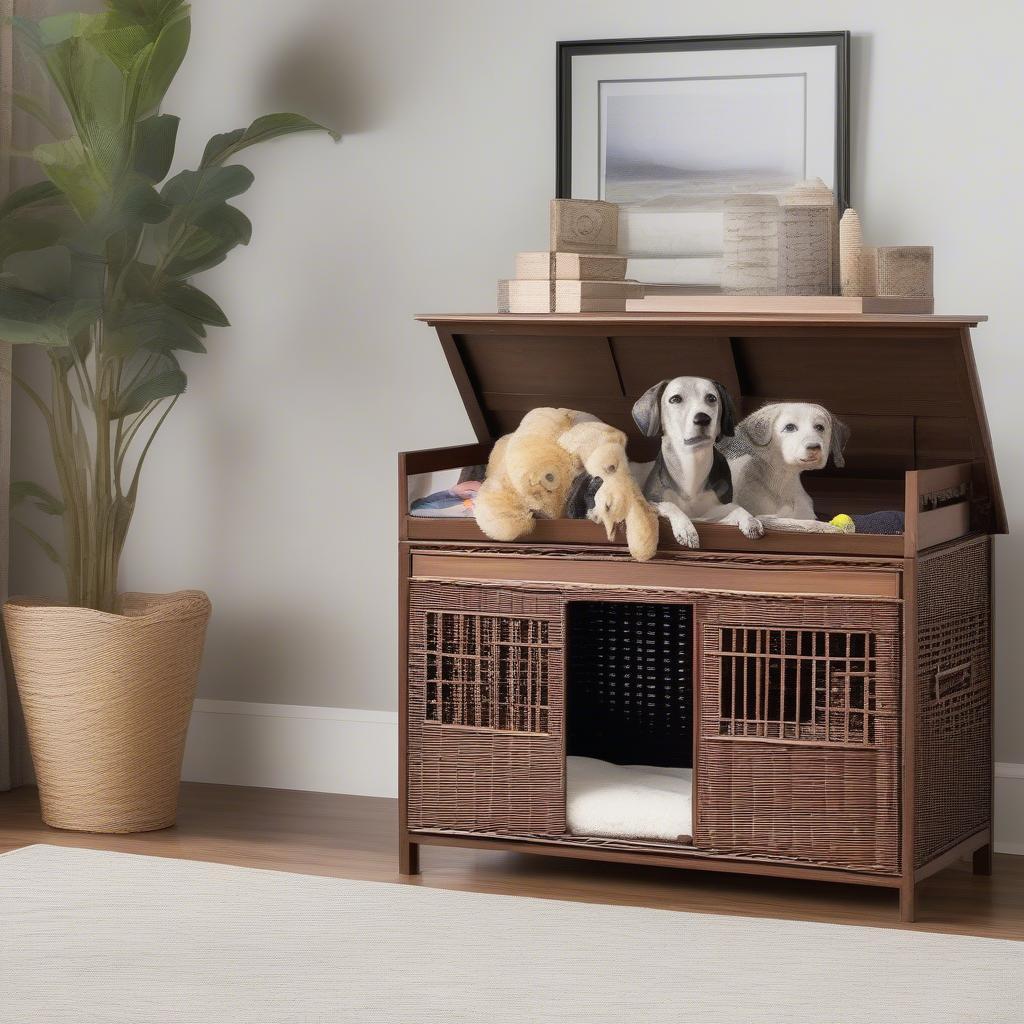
{"x":555,"y":455}
{"x":528,"y":475}
{"x":605,"y":491}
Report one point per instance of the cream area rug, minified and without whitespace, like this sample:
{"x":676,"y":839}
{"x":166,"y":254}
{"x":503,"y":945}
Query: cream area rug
{"x":88,"y":937}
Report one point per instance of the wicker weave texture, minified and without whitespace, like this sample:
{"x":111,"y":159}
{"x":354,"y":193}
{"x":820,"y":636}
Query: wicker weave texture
{"x":630,"y":682}
{"x":799,"y":745}
{"x":953,"y":752}
{"x":486,"y":705}
{"x":107,"y":701}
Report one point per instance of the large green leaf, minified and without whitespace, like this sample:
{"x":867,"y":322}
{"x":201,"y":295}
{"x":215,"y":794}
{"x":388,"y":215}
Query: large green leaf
{"x":51,"y":31}
{"x":139,"y":202}
{"x":66,"y":164}
{"x":165,"y":380}
{"x":200,"y":252}
{"x":121,"y":42}
{"x":154,"y":145}
{"x":210,"y":239}
{"x":191,"y":306}
{"x":92,"y":88}
{"x":145,"y":10}
{"x":196,"y":191}
{"x":109,"y":70}
{"x":271,"y":126}
{"x":78,"y":351}
{"x":148,"y":46}
{"x":41,"y":192}
{"x":27,"y":318}
{"x":168,"y":52}
{"x":203,"y":226}
{"x":226,"y":222}
{"x":155,"y":327}
{"x":126,"y":209}
{"x":42,"y":499}
{"x":24,"y":234}
{"x":192,"y":302}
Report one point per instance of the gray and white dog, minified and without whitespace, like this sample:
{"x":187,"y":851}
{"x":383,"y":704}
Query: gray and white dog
{"x":770,"y":450}
{"x":690,"y":479}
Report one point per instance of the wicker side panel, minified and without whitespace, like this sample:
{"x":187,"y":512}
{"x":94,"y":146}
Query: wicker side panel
{"x":953,"y":752}
{"x":795,"y":781}
{"x":486,"y":709}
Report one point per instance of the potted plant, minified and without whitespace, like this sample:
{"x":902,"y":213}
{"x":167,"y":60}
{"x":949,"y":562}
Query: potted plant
{"x":106,"y":679}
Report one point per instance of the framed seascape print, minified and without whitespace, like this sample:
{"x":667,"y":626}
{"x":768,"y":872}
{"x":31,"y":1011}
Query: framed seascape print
{"x":669,"y":128}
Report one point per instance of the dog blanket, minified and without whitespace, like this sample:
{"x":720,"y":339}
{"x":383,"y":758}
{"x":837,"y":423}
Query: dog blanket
{"x":627,"y":801}
{"x":454,"y":503}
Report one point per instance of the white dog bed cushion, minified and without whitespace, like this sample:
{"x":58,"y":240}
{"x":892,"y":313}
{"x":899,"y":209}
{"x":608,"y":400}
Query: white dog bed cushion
{"x":627,"y":801}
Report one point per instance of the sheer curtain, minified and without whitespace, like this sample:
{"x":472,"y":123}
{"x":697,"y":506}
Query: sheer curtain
{"x":14,"y":761}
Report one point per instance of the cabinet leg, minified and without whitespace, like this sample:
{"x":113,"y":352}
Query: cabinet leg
{"x":907,"y":901}
{"x":408,"y":857}
{"x":983,"y":860}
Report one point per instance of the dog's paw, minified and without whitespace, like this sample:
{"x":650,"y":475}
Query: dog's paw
{"x":686,"y":534}
{"x":820,"y":527}
{"x":751,"y":527}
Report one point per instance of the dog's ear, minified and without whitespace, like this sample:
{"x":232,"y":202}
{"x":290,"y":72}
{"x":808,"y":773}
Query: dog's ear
{"x":647,"y":410}
{"x":840,"y":435}
{"x":581,"y":497}
{"x":727,"y":417}
{"x":758,"y":425}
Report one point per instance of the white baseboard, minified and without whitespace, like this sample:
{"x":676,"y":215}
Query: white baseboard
{"x":284,"y":746}
{"x":346,"y":750}
{"x":1009,"y":812}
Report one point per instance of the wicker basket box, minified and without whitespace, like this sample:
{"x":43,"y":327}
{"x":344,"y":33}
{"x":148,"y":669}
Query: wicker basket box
{"x":832,"y":693}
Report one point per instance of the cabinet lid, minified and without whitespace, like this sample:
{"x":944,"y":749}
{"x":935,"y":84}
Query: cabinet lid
{"x":906,"y":385}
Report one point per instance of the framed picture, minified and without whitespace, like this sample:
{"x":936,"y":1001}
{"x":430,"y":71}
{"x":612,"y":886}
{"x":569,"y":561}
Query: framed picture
{"x":668,"y":128}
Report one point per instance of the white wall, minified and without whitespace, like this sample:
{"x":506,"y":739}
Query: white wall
{"x":273,"y":486}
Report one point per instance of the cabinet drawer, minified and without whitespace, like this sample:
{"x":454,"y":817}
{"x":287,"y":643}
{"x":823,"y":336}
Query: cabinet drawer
{"x":761,"y":579}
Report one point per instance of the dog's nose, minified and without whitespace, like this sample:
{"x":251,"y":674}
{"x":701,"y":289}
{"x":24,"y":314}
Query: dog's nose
{"x":702,"y":419}
{"x":813,"y":446}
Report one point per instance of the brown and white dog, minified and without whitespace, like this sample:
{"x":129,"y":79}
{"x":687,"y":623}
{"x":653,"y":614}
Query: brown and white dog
{"x":771,"y":448}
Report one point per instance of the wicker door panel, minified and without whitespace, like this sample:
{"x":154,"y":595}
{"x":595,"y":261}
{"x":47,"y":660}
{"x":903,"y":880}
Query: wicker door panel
{"x":953,"y":753}
{"x":486,"y":710}
{"x":799,"y":731}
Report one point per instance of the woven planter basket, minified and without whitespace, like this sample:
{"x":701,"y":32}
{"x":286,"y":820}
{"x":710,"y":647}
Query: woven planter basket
{"x":107,"y":700}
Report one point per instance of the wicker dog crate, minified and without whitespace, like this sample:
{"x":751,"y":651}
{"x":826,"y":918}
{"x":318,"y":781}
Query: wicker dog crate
{"x":832,"y":692}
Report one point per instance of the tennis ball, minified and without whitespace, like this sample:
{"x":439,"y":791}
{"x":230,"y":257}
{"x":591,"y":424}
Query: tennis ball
{"x":844,"y":523}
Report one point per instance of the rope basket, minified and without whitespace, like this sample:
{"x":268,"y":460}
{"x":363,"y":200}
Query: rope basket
{"x":107,"y":700}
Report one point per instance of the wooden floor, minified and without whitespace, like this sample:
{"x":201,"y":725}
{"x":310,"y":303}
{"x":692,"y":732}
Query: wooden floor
{"x":354,"y":837}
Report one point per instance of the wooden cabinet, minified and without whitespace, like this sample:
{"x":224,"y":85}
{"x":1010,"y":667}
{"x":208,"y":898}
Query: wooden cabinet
{"x":832,"y":692}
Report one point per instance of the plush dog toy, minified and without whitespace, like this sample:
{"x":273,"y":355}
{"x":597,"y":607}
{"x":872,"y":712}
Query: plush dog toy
{"x":554,"y":454}
{"x":528,"y":475}
{"x":605,"y":491}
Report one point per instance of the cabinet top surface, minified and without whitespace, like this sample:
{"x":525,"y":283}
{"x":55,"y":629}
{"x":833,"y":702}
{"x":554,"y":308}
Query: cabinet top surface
{"x":764,"y":319}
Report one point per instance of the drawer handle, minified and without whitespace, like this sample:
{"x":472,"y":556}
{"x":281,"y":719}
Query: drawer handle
{"x":953,"y":679}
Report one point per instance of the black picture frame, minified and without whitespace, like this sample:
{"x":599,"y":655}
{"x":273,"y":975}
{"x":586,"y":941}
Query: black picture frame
{"x":569,"y":49}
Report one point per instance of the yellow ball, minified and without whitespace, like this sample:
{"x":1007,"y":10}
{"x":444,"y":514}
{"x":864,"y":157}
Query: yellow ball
{"x":844,"y":523}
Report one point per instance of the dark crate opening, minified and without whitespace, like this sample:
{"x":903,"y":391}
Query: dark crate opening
{"x":629,"y":682}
